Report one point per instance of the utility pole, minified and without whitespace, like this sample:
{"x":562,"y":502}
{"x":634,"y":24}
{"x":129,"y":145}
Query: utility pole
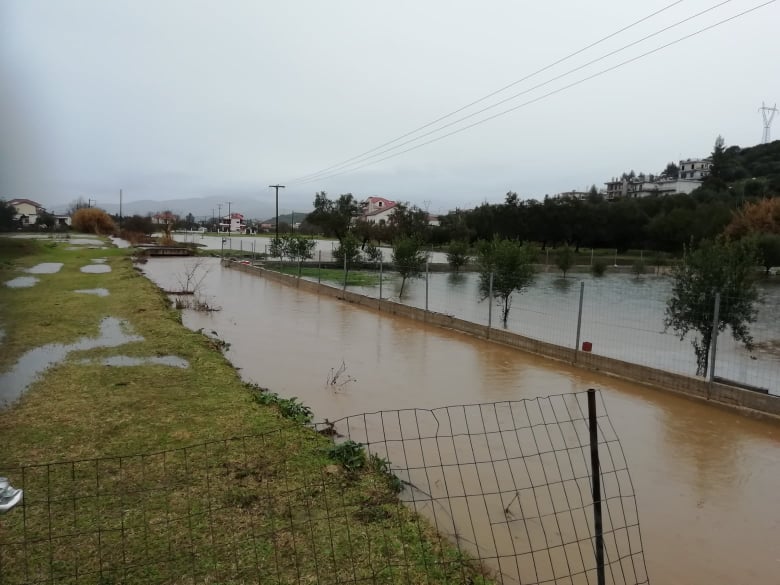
{"x":219,"y":216}
{"x":120,"y":209}
{"x":230,"y":220}
{"x":90,"y":202}
{"x":768,"y":114}
{"x":277,"y":187}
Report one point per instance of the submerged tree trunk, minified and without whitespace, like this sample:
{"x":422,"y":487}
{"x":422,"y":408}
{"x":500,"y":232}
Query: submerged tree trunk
{"x":505,"y":309}
{"x":702,"y":350}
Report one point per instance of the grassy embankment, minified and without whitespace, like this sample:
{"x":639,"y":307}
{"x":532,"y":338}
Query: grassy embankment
{"x":273,"y":508}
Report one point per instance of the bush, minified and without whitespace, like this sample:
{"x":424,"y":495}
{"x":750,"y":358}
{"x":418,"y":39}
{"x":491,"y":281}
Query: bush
{"x":92,"y":220}
{"x":599,"y":267}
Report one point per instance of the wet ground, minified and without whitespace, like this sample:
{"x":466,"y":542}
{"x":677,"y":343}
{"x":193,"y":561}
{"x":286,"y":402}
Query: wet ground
{"x":100,"y":292}
{"x":13,"y":383}
{"x":22,"y":282}
{"x":45,"y":268}
{"x":706,"y":478}
{"x":96,"y":268}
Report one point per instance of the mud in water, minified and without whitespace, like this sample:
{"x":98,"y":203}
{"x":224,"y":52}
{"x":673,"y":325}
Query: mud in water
{"x":96,"y":268}
{"x":705,"y":477}
{"x":33,"y":363}
{"x":22,"y":282}
{"x":100,"y":292}
{"x":45,"y":268}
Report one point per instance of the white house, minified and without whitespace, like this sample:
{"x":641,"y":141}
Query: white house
{"x":692,"y":173}
{"x":27,"y":211}
{"x":695,"y":168}
{"x":233,"y":223}
{"x":378,"y":209}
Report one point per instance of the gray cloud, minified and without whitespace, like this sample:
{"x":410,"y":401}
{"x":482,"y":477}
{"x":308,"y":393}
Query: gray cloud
{"x":197,"y":98}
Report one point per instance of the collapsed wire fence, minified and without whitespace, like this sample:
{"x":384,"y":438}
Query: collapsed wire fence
{"x":499,"y":492}
{"x":511,"y":484}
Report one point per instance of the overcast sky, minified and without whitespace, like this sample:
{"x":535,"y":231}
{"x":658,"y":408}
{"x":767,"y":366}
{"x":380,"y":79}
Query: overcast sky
{"x":172,"y":99}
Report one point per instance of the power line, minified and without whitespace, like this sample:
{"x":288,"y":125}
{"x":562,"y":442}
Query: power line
{"x":544,"y":96}
{"x":485,"y":97}
{"x":363,"y":158}
{"x":529,"y":90}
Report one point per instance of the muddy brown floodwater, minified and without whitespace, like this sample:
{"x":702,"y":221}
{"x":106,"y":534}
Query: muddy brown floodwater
{"x":706,"y":479}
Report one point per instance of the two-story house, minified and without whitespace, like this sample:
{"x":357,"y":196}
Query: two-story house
{"x":233,"y":223}
{"x":378,"y":210}
{"x":27,"y":211}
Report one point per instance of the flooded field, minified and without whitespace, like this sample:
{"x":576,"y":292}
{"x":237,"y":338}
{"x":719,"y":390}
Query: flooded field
{"x":705,"y":478}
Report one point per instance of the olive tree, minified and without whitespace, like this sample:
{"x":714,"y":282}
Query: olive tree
{"x":347,"y":252}
{"x":457,"y":254}
{"x":298,"y":248}
{"x":564,"y":259}
{"x":719,"y":266}
{"x":408,"y":259}
{"x":511,"y":264}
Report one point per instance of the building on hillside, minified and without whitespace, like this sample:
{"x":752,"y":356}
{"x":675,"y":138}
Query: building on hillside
{"x":695,"y":169}
{"x":233,"y":223}
{"x":378,"y":210}
{"x":692,"y":173}
{"x":572,"y":195}
{"x":433,"y":220}
{"x":27,"y":211}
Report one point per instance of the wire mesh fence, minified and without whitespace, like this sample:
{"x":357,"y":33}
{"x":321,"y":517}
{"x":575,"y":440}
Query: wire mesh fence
{"x":622,"y":317}
{"x":470,"y":494}
{"x":510,"y":484}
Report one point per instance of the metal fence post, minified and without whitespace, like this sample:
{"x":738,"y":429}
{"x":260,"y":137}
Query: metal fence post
{"x":490,"y":305}
{"x":598,"y":528}
{"x":345,"y":271}
{"x":579,"y":321}
{"x":319,"y":267}
{"x":427,"y":274}
{"x":381,"y":265}
{"x":714,"y":342}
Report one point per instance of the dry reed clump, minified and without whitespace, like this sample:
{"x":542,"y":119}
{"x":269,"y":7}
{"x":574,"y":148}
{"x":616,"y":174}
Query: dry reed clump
{"x":93,"y":221}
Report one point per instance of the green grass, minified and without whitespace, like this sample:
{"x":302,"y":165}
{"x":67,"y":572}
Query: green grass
{"x":355,"y":277}
{"x":197,"y":507}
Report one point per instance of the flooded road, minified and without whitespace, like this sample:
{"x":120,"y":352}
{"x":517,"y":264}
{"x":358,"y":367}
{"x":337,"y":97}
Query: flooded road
{"x":706,"y":478}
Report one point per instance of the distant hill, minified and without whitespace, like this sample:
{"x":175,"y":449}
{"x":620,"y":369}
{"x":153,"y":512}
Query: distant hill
{"x":755,"y":162}
{"x":298,"y":217}
{"x":200,"y":207}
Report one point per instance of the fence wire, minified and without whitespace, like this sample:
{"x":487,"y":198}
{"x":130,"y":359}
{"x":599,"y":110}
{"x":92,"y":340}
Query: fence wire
{"x":510,"y":484}
{"x":468,"y":494}
{"x":622,"y":318}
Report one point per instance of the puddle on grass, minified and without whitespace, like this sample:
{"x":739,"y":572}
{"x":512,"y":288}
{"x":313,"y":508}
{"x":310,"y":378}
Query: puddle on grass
{"x":119,"y":242}
{"x":99,"y":260}
{"x":83,"y":242}
{"x":45,"y":268}
{"x":22,"y":282}
{"x":96,"y":268}
{"x":34,"y":362}
{"x":127,"y":361}
{"x":100,"y":292}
